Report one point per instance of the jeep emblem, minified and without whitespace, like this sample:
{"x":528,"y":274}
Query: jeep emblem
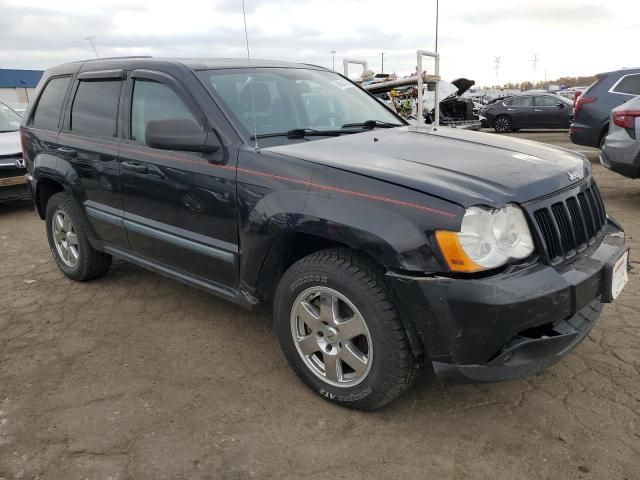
{"x":575,"y":175}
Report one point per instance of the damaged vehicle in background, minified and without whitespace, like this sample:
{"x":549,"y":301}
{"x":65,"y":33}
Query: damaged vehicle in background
{"x":455,"y":110}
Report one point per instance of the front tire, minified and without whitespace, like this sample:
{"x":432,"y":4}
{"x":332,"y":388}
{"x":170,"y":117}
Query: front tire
{"x":502,"y":124}
{"x":340,"y":331}
{"x":70,"y":246}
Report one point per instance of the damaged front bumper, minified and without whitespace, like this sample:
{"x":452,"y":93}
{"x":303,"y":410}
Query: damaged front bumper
{"x":513,"y":324}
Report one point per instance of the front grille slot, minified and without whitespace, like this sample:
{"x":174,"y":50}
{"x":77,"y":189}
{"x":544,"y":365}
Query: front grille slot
{"x":571,"y":223}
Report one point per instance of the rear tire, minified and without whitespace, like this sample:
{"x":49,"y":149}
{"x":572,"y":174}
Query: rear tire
{"x":502,"y":124}
{"x":68,"y":241}
{"x":334,"y":311}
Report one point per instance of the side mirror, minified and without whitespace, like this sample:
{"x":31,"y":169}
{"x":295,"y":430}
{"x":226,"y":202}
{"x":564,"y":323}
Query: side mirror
{"x":560,"y":105}
{"x":181,"y":134}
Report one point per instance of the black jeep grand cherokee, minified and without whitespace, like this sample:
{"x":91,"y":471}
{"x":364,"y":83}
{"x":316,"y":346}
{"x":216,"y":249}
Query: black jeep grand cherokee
{"x":379,"y":245}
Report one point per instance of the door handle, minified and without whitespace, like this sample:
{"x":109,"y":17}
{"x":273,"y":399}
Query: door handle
{"x":135,"y":166}
{"x":537,"y":110}
{"x":69,"y":152}
{"x":510,"y":109}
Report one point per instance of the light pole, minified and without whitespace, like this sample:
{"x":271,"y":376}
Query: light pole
{"x":382,"y":55}
{"x":437,"y":12}
{"x":333,"y":60}
{"x":91,"y":38}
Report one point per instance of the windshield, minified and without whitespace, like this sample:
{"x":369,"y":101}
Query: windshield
{"x":290,"y":98}
{"x":9,"y":120}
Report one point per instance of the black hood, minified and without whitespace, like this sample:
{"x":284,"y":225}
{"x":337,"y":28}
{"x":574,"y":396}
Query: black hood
{"x":463,"y":85}
{"x":468,"y":168}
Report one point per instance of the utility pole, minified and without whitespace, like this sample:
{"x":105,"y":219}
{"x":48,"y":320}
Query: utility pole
{"x":333,"y":60}
{"x":535,"y":63}
{"x":437,"y":12}
{"x":91,"y":38}
{"x":382,"y":55}
{"x":496,"y":64}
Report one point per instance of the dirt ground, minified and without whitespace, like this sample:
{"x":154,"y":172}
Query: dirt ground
{"x":135,"y":376}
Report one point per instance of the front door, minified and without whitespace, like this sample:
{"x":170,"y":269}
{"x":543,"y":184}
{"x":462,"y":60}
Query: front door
{"x":553,"y":113}
{"x":180,"y":210}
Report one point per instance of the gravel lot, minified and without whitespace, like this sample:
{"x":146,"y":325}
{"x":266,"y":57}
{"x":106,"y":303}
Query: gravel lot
{"x":136,"y":376}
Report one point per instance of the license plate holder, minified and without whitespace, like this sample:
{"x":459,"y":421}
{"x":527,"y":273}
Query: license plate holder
{"x":616,"y":276}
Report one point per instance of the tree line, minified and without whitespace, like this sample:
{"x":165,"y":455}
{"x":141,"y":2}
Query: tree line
{"x":544,"y":85}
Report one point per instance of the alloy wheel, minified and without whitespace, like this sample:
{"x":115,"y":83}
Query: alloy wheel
{"x":65,"y":238}
{"x":331,"y":337}
{"x":503,"y":124}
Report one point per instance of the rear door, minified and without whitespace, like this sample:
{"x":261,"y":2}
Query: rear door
{"x":89,"y":142}
{"x":520,"y":109}
{"x":551,"y":112}
{"x":179,"y":206}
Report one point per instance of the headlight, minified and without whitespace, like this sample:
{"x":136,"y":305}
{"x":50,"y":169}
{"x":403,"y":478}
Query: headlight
{"x":487,"y":239}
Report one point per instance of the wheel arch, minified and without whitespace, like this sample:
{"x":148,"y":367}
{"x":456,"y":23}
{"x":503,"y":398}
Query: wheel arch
{"x":289,"y":247}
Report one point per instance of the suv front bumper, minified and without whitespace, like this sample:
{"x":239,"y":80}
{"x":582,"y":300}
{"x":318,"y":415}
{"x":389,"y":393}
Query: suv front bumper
{"x":512,"y":324}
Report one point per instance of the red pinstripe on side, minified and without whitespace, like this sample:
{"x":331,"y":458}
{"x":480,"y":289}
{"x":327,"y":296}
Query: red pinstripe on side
{"x":330,"y":188}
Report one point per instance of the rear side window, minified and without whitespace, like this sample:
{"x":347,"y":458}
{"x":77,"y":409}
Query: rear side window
{"x":154,"y":101}
{"x":50,"y":103}
{"x":520,"y":102}
{"x":629,"y":84}
{"x":547,"y":101}
{"x":95,"y":108}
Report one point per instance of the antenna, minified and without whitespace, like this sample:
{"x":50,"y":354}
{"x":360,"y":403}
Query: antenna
{"x":253,"y":106}
{"x":496,"y":64}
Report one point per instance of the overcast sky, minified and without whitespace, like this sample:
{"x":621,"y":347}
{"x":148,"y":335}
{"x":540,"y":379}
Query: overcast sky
{"x":579,"y":37}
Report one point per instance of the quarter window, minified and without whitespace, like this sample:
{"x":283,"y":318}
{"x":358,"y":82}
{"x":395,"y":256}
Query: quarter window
{"x":95,"y":108}
{"x":154,"y":101}
{"x":629,"y":84}
{"x":47,"y":112}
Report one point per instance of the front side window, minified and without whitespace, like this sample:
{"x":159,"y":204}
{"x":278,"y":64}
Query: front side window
{"x":547,"y":101}
{"x":154,"y":101}
{"x":9,"y":119}
{"x":629,"y":84}
{"x":292,"y":98}
{"x":95,"y":108}
{"x":49,"y":105}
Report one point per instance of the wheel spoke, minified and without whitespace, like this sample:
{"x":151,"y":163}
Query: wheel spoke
{"x":309,"y":344}
{"x":66,"y":224}
{"x":351,"y":327}
{"x":65,"y":253}
{"x":73,"y":250}
{"x":350,"y":355}
{"x":72,"y":238}
{"x":332,"y":367}
{"x":57,"y":236}
{"x":60,"y":221}
{"x":306,"y":312}
{"x":328,"y":308}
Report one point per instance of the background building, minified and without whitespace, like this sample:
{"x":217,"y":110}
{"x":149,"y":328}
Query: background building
{"x":18,"y":86}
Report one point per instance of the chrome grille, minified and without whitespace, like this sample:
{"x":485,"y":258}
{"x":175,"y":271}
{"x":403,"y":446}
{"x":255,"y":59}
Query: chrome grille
{"x":569,"y":223}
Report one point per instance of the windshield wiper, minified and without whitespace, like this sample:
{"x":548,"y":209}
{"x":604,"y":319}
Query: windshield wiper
{"x":372,"y":124}
{"x":301,"y":133}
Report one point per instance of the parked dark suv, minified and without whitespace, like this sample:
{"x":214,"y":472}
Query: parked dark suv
{"x":592,"y":108}
{"x":379,"y":246}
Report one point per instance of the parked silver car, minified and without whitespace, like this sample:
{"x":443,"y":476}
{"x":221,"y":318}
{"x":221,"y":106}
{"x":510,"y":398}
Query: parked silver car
{"x":13,"y":184}
{"x":621,"y":150}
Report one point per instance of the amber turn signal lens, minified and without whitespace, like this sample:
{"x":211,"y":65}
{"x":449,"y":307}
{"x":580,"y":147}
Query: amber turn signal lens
{"x":454,"y":254}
